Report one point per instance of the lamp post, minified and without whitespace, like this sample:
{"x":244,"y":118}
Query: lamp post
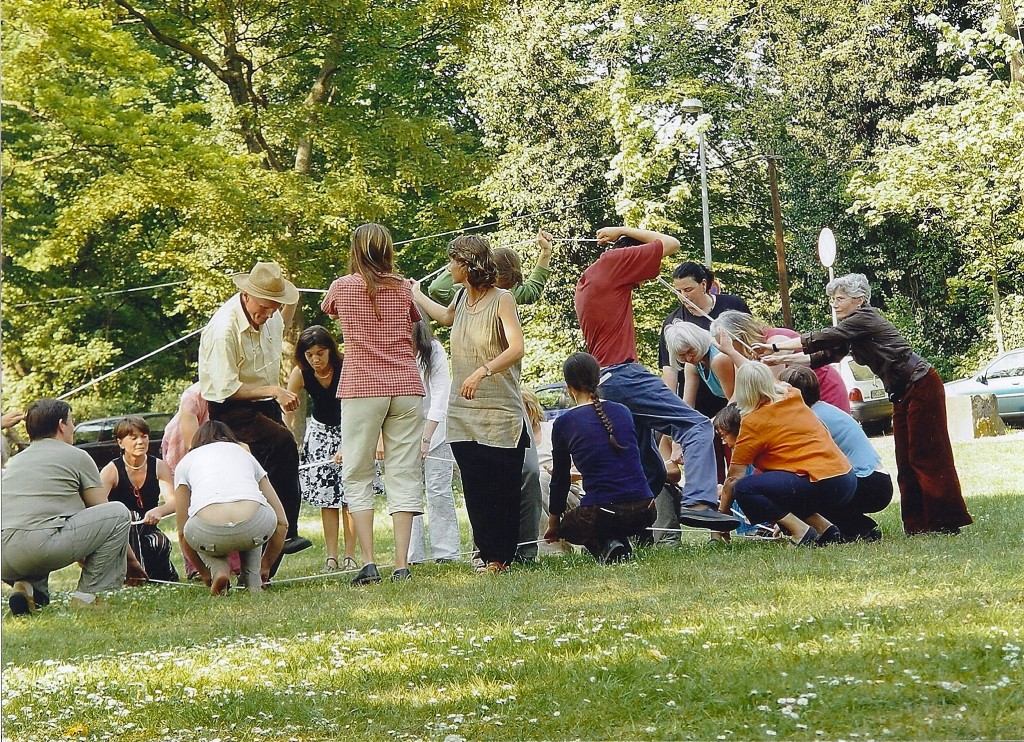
{"x":694,"y":105}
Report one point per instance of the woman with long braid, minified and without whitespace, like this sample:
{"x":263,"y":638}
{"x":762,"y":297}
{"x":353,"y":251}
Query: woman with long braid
{"x":600,"y":438}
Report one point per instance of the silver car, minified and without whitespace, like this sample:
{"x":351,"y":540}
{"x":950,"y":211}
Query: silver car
{"x":1003,"y":377}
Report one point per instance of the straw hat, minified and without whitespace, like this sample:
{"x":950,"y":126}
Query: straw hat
{"x":265,"y":281}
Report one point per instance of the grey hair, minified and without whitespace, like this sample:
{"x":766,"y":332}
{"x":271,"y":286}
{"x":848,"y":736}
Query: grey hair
{"x":739,"y":326}
{"x":756,"y":385}
{"x":681,"y":336}
{"x":854,"y":285}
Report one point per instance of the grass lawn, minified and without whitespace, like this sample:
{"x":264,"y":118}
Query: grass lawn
{"x":905,"y":639}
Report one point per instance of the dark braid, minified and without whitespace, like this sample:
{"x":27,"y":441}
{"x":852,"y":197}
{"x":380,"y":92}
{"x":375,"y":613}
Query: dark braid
{"x":599,"y":409}
{"x":582,"y":372}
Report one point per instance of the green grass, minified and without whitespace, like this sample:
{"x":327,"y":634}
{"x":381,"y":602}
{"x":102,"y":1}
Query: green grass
{"x":907,"y":639}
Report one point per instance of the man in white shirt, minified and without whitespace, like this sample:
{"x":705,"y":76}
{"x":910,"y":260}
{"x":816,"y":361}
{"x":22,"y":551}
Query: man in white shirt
{"x":239,"y":375}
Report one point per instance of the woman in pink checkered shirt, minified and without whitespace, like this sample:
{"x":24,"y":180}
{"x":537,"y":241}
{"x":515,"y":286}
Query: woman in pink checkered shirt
{"x":381,"y":386}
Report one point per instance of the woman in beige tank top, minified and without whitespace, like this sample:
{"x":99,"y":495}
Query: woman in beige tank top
{"x":486,"y":421}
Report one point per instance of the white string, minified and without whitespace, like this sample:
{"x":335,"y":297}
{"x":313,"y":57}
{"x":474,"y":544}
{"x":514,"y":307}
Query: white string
{"x":325,"y":462}
{"x":162,"y":517}
{"x":697,"y":310}
{"x":179,"y":583}
{"x":128,"y":365}
{"x":514,"y":219}
{"x":104,"y":293}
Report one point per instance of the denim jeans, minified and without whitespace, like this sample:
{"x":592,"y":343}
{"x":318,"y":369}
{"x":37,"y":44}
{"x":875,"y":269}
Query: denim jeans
{"x":442,"y":518}
{"x":656,"y":408}
{"x":770,"y":495}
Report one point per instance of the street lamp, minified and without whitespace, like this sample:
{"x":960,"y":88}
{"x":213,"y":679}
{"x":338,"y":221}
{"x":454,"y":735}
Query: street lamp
{"x":694,"y":105}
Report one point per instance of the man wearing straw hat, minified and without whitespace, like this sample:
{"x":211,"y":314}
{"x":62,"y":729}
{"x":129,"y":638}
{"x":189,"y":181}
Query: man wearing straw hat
{"x":239,"y":375}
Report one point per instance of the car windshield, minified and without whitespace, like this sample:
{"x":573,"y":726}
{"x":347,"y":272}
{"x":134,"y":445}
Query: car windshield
{"x":1009,"y":365}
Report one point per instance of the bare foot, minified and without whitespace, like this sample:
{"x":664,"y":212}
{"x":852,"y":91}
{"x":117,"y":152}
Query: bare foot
{"x":220,"y":585}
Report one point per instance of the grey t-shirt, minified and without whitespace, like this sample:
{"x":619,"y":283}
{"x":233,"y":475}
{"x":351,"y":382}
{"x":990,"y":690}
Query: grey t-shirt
{"x":43,"y":485}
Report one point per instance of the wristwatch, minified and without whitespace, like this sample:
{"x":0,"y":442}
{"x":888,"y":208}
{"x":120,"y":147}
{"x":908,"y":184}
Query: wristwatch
{"x":487,"y":370}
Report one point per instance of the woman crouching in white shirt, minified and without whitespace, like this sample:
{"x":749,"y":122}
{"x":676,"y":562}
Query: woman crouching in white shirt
{"x":225,"y":503}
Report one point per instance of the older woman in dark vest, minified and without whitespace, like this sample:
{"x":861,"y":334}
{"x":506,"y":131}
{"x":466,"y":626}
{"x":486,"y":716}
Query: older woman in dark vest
{"x":930,"y":497}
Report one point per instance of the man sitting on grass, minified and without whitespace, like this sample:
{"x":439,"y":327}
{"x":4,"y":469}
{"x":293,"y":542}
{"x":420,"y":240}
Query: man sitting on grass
{"x":55,"y":513}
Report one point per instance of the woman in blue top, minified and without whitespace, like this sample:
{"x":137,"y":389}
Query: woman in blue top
{"x":693,"y":347}
{"x":600,"y":438}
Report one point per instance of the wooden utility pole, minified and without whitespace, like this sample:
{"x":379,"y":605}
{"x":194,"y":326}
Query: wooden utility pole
{"x":780,"y":245}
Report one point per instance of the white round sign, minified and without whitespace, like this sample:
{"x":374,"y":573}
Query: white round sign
{"x":827,"y":247}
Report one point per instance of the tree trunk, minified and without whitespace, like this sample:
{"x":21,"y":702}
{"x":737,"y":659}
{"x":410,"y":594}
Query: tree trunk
{"x":317,"y":96}
{"x":997,"y":311}
{"x":1011,"y":28}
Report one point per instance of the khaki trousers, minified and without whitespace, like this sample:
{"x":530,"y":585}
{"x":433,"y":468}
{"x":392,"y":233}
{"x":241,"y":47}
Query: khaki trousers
{"x":400,"y":420}
{"x":97,"y":535}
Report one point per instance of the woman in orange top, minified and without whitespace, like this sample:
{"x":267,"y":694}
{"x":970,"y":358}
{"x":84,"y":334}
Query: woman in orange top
{"x":802,"y":468}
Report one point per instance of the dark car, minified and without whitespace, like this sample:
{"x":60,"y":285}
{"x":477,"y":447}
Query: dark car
{"x":96,"y":437}
{"x":554,"y":398}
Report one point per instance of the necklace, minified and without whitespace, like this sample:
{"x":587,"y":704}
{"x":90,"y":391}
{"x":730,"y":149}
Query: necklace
{"x":328,"y":375}
{"x":133,"y":468}
{"x":480,"y":298}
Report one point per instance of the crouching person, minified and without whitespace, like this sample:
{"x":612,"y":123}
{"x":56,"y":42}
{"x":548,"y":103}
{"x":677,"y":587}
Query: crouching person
{"x":601,"y":439}
{"x":225,"y":503}
{"x":55,"y":513}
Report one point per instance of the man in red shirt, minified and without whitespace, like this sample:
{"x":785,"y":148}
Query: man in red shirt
{"x":604,"y":306}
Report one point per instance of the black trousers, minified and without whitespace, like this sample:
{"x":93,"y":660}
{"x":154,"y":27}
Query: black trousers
{"x":492,"y":485}
{"x":873,"y":494}
{"x":261,"y":427}
{"x":593,"y":526}
{"x":153,"y":550}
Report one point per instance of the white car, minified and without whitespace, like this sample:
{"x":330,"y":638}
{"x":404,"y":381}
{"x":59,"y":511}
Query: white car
{"x":869,"y":404}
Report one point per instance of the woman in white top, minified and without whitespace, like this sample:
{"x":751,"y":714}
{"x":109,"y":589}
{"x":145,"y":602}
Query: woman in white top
{"x":438,"y":462}
{"x":225,"y":503}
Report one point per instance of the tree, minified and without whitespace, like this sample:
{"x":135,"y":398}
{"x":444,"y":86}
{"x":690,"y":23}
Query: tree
{"x":957,"y":163}
{"x":151,"y":143}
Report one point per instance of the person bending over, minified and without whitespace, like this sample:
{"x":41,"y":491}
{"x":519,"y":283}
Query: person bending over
{"x":239,"y":376}
{"x":803,"y":472}
{"x":737,"y":333}
{"x":225,"y":503}
{"x":874,"y":485}
{"x":930,"y":497}
{"x":604,"y":307}
{"x":601,"y":439}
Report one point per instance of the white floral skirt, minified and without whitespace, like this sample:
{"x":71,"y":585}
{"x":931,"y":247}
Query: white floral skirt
{"x":321,"y":485}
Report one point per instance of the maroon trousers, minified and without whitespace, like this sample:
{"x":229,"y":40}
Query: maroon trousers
{"x":930,"y":497}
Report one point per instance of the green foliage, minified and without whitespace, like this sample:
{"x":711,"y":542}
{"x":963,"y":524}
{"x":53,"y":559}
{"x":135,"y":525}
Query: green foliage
{"x":957,"y":162}
{"x":150,"y":142}
{"x":136,"y":154}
